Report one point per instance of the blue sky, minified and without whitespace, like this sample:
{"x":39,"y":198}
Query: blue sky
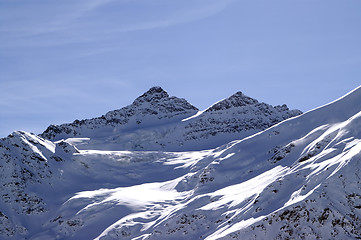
{"x":67,"y":60}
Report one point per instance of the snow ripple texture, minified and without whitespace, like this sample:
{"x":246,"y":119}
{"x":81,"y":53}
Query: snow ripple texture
{"x":298,"y":179}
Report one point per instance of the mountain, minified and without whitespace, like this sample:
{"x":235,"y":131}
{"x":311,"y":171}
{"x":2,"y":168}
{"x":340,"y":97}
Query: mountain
{"x":154,"y":107}
{"x":155,"y":121}
{"x":298,"y":179}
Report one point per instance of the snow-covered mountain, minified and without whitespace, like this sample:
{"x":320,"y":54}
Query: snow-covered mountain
{"x":155,"y":121}
{"x":298,"y":179}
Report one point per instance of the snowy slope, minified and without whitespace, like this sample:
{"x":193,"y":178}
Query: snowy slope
{"x":155,"y":121}
{"x":299,"y":179}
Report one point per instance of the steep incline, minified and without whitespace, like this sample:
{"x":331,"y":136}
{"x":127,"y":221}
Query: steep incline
{"x":24,"y":163}
{"x":154,"y":107}
{"x":156,"y":121}
{"x":300,"y":179}
{"x":234,"y":118}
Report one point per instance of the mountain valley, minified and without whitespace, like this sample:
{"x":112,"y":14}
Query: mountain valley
{"x":161,"y":169}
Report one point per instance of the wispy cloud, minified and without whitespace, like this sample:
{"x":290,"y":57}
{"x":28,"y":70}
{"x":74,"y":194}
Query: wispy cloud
{"x":47,"y":24}
{"x":180,"y":17}
{"x":88,"y":6}
{"x":45,"y":18}
{"x":53,"y":25}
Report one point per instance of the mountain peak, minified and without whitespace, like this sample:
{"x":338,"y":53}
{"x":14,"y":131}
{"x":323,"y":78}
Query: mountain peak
{"x":297,"y":179}
{"x":236,"y":100}
{"x":155,"y":117}
{"x":152,"y":108}
{"x":154,"y":93}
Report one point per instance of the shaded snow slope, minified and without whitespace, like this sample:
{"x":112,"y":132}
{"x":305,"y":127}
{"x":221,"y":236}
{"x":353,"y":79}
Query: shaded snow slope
{"x":155,"y":121}
{"x":299,"y":179}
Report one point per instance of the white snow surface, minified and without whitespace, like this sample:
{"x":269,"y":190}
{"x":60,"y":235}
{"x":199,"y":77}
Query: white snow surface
{"x":299,"y":179}
{"x":155,"y":121}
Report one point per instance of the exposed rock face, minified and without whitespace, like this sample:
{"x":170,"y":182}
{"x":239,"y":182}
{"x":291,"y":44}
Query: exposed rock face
{"x":299,"y":179}
{"x":153,"y":94}
{"x":24,"y":163}
{"x":236,"y":100}
{"x":238,"y":114}
{"x":152,"y":108}
{"x":156,"y":121}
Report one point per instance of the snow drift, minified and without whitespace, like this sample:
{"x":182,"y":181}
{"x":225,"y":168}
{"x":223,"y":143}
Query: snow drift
{"x":298,"y":179}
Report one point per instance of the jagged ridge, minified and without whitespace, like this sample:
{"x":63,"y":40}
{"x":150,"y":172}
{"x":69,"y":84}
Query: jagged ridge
{"x":155,"y":121}
{"x":152,"y":108}
{"x":298,"y":179}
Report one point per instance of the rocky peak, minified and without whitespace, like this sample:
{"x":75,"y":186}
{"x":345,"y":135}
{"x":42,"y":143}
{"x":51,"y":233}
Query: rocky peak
{"x":281,"y":108}
{"x":146,"y":110}
{"x":153,"y":94}
{"x":235,"y":114}
{"x":155,"y":101}
{"x":236,"y":100}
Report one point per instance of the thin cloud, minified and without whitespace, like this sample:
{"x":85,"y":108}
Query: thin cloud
{"x":70,"y":26}
{"x":44,"y":27}
{"x":179,"y":17}
{"x":49,"y":19}
{"x":79,"y":12}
